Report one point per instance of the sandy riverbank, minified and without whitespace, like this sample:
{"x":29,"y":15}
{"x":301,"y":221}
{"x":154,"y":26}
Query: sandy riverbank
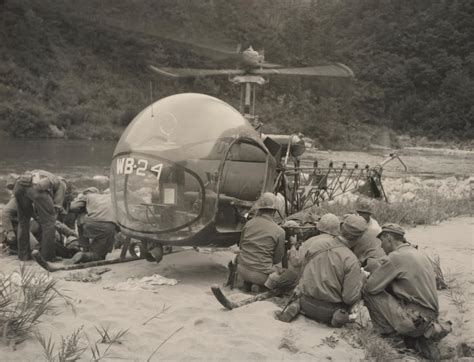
{"x":208,"y":332}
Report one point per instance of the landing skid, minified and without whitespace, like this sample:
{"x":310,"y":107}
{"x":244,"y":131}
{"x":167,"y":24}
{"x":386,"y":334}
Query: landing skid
{"x":228,"y":304}
{"x":53,"y":268}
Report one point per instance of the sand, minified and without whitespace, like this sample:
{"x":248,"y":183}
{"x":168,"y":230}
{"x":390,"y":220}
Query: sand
{"x":201,"y":329}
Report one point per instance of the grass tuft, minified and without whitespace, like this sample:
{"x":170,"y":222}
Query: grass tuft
{"x":97,"y":354}
{"x":436,"y":263}
{"x":376,"y":348}
{"x":24,"y":298}
{"x":107,"y":337}
{"x":457,"y":297}
{"x":70,"y":349}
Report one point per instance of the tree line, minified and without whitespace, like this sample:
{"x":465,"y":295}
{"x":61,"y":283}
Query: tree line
{"x":83,"y":66}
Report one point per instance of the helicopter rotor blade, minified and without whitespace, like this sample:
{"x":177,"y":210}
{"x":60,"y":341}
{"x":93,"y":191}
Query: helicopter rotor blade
{"x":337,"y":70}
{"x":191,"y":72}
{"x":110,"y":17}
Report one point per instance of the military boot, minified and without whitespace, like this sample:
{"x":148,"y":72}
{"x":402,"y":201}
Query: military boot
{"x":340,"y":318}
{"x":289,"y":313}
{"x":426,"y":347}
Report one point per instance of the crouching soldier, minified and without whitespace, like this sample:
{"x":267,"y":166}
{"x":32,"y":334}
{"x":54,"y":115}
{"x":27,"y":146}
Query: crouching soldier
{"x":401,"y":295}
{"x":262,"y":246}
{"x":331,"y":279}
{"x":99,"y":225}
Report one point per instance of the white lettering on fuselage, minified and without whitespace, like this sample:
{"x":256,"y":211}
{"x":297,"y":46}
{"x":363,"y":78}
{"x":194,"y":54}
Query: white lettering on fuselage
{"x":126,"y":166}
{"x":128,"y":169}
{"x":120,"y":163}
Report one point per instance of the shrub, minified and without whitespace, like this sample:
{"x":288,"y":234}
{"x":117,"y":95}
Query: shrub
{"x":434,"y":208}
{"x":24,"y":298}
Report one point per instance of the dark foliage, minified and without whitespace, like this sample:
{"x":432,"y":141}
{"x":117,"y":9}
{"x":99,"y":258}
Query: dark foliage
{"x":82,"y":66}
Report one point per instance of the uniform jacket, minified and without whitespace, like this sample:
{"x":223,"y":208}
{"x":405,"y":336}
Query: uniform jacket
{"x":9,"y":215}
{"x":373,"y":228}
{"x":368,"y":247}
{"x":47,"y":181}
{"x":98,"y":207}
{"x":333,"y":275}
{"x":297,"y":257}
{"x":262,"y":244}
{"x":410,"y":275}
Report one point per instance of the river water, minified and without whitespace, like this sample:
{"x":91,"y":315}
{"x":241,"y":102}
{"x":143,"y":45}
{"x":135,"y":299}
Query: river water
{"x":78,"y":160}
{"x":81,"y":160}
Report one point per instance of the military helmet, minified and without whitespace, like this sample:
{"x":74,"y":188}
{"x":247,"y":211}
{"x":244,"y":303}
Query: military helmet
{"x":329,"y":224}
{"x":364,"y":205}
{"x":266,"y":201}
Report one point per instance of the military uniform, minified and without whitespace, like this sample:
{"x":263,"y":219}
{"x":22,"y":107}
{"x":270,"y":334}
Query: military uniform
{"x":368,"y":247}
{"x":331,"y":278}
{"x":373,"y":228}
{"x":10,"y":225}
{"x":262,"y":245}
{"x":401,"y":294}
{"x":328,"y":225}
{"x":45,"y":191}
{"x":99,"y":224}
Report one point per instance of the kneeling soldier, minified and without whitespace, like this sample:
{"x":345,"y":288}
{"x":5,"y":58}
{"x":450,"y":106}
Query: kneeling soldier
{"x":100,"y":225}
{"x":262,"y":246}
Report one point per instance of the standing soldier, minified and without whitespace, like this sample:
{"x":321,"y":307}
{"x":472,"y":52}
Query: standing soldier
{"x":9,"y":219}
{"x":45,"y":192}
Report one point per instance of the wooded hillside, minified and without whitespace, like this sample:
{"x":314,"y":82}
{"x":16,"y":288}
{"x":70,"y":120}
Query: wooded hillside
{"x":83,"y":65}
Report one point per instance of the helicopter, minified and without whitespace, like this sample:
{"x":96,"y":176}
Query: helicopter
{"x":189,"y":167}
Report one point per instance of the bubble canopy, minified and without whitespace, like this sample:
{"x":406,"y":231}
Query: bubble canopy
{"x":183,"y":120}
{"x":163,"y":174}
